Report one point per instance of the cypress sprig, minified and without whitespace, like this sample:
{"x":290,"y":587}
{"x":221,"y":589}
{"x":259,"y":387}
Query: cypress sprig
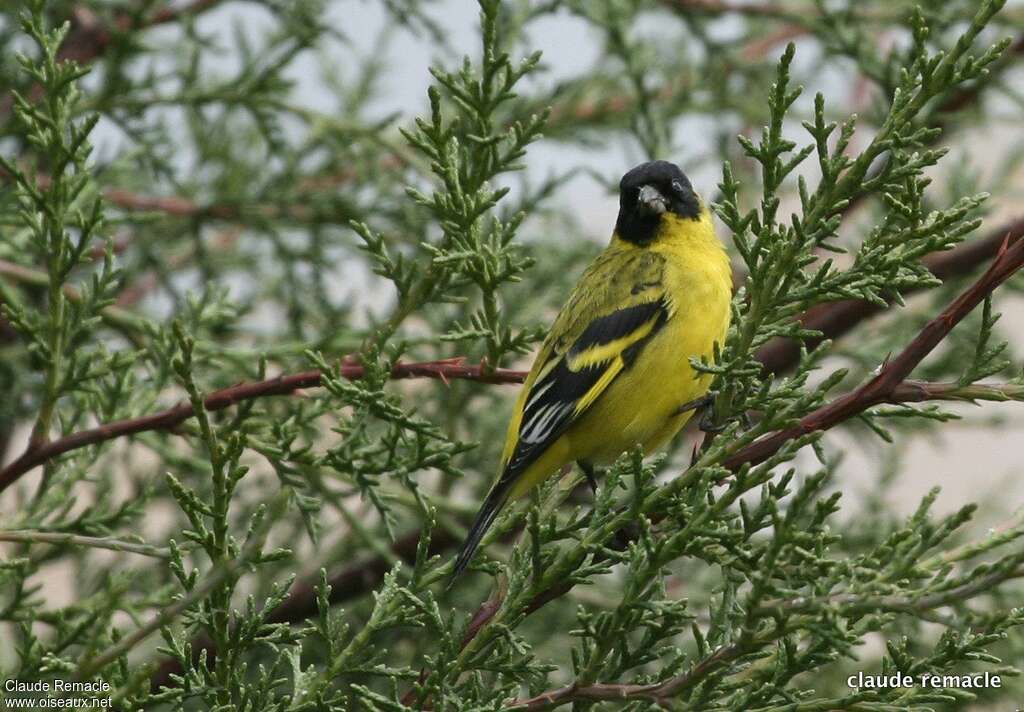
{"x":255,"y":350}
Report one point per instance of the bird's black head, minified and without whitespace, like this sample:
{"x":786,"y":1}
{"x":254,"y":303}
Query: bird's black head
{"x":648,"y":192}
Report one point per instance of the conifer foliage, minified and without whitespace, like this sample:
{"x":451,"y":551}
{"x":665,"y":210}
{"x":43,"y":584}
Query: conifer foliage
{"x":257,"y":357}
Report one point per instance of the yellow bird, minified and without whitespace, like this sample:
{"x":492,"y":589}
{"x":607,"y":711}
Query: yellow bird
{"x":614,"y":371}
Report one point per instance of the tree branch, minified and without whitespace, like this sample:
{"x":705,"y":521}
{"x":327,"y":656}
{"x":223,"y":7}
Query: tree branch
{"x":34,"y":536}
{"x":835,"y":319}
{"x":917,"y":391}
{"x":725,"y":7}
{"x":854,"y":604}
{"x":883,"y":387}
{"x":88,"y":38}
{"x":449,"y":369}
{"x":656,"y":691}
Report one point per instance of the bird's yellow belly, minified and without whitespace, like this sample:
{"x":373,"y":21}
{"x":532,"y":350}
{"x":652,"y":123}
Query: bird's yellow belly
{"x":641,"y":406}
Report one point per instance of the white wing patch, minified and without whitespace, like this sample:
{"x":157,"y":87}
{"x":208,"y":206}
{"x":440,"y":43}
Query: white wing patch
{"x":536,"y":395}
{"x":543,"y":423}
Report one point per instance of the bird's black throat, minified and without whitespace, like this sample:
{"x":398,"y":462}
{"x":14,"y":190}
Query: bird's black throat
{"x":636,"y":228}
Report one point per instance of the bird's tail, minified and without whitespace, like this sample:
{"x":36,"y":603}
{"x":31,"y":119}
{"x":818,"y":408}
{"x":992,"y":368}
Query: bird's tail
{"x":484,"y":518}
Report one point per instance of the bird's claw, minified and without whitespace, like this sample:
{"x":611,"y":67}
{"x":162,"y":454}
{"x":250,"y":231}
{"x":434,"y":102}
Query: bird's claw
{"x":589,"y":472}
{"x":706,"y":422}
{"x":697,"y":403}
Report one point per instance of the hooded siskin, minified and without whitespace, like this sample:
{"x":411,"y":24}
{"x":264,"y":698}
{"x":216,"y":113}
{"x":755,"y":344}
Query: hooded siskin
{"x":614,"y":369}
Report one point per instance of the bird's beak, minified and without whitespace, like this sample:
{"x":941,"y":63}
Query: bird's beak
{"x":651,"y":201}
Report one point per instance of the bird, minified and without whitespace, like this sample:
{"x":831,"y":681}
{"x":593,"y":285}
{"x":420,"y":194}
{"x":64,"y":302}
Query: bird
{"x":614,"y":371}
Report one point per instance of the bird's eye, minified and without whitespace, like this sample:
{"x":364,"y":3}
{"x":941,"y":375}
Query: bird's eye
{"x":677,"y":187}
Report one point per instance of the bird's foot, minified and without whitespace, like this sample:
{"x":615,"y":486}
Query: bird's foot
{"x":591,"y":474}
{"x":703,"y":404}
{"x":706,"y":422}
{"x":697,"y":403}
{"x":621,"y":540}
{"x":707,"y":425}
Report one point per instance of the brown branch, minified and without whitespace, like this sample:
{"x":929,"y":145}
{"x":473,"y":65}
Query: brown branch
{"x":778,"y":11}
{"x":838,"y":318}
{"x":178,"y":206}
{"x":173,"y":205}
{"x":883,"y":387}
{"x":172,"y":14}
{"x":88,"y":38}
{"x":655,"y":691}
{"x":853,"y":603}
{"x":450,"y":369}
{"x":920,"y":391}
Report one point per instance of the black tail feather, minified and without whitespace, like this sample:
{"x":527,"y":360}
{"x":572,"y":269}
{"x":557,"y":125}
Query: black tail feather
{"x":484,"y":518}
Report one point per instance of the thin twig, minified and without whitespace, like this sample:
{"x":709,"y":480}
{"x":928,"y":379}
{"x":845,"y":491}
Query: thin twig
{"x":88,"y":668}
{"x":180,"y":206}
{"x":726,"y":7}
{"x":656,"y":691}
{"x":32,"y":536}
{"x":123,"y":320}
{"x":852,"y":603}
{"x":838,"y":318}
{"x":911,"y":391}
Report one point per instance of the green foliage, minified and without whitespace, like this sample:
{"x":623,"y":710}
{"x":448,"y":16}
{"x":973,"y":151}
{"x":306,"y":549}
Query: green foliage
{"x":238,"y":551}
